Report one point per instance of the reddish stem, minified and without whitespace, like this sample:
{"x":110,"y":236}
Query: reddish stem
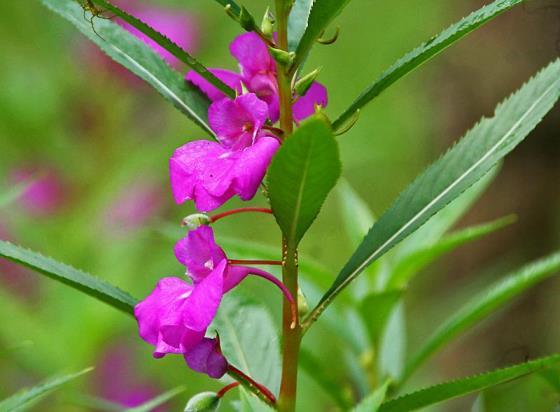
{"x":284,"y":289}
{"x":226,"y":389}
{"x":247,"y":380}
{"x":219,"y":216}
{"x":254,"y":262}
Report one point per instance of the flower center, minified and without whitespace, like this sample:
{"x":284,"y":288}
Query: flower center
{"x":248,"y":127}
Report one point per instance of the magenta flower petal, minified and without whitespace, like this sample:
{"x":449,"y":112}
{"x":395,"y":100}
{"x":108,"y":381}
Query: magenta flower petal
{"x":305,"y":105}
{"x":209,"y":174}
{"x":206,"y":357}
{"x":230,"y":78}
{"x":155,"y":319}
{"x":234,"y":276}
{"x":198,"y":169}
{"x":265,"y":86}
{"x":199,"y":253}
{"x":251,"y":166}
{"x":237,"y":122}
{"x":252,"y":54}
{"x":199,"y":309}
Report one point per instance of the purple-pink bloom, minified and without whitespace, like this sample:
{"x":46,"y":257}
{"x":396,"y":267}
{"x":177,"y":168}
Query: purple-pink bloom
{"x":200,"y":254}
{"x":238,"y":122}
{"x":210,"y":174}
{"x":206,"y":357}
{"x":258,"y":75}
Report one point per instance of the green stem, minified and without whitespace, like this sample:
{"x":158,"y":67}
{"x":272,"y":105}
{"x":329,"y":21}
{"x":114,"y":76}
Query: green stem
{"x":291,"y":335}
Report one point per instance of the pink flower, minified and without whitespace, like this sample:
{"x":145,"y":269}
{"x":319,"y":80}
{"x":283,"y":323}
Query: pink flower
{"x":258,"y":75}
{"x":211,"y":173}
{"x":237,"y":123}
{"x":174,"y":318}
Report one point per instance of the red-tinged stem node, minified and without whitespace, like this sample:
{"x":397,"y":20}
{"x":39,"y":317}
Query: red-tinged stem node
{"x":219,"y":216}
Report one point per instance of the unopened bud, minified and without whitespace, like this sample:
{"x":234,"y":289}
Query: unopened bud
{"x":203,"y":402}
{"x":303,"y":84}
{"x":196,"y":220}
{"x":267,"y":24}
{"x":303,"y":307}
{"x":281,"y":56}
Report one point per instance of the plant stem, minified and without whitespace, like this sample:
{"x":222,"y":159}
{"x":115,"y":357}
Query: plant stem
{"x":291,"y":335}
{"x":219,"y":216}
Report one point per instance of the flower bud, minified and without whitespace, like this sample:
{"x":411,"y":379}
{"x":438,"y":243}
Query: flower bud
{"x":303,"y":84}
{"x":267,"y":25}
{"x":303,"y":307}
{"x":203,"y":402}
{"x":281,"y":56}
{"x":196,"y":220}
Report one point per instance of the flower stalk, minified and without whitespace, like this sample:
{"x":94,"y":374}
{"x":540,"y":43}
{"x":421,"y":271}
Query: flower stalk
{"x":262,"y":392}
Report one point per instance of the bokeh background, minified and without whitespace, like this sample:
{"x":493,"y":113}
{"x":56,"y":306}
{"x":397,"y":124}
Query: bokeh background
{"x":100,"y":139}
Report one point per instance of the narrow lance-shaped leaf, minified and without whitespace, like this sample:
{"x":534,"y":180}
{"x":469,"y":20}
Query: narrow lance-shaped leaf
{"x":405,"y":270}
{"x":470,"y":159}
{"x":372,"y":402}
{"x":136,"y":56}
{"x":168,"y":45}
{"x":301,"y":175}
{"x":464,"y":386}
{"x":23,"y":399}
{"x":297,"y":22}
{"x":75,"y":278}
{"x":234,"y":7}
{"x":481,"y":306}
{"x":425,"y":52}
{"x":322,"y":14}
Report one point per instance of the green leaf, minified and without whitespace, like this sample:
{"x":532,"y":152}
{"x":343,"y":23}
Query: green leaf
{"x":376,"y":308}
{"x":322,"y":375}
{"x":487,"y":302}
{"x":249,"y":340}
{"x":250,"y":403}
{"x":357,"y":217}
{"x":24,"y":398}
{"x":168,"y":45}
{"x":322,"y":14}
{"x":470,"y":159}
{"x":77,"y":279}
{"x":464,"y":386}
{"x":373,"y":401}
{"x":392,"y":346}
{"x":297,"y":22}
{"x":301,"y":175}
{"x":158,"y":400}
{"x":234,"y":7}
{"x":140,"y":59}
{"x":412,"y":264}
{"x":440,"y":223}
{"x":425,"y":52}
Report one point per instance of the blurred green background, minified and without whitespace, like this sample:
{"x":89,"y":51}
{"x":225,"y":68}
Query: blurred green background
{"x":107,"y":139}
